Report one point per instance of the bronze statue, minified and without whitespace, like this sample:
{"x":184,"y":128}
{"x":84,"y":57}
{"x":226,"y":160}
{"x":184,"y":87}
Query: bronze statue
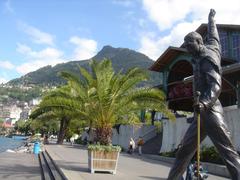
{"x":207,"y":80}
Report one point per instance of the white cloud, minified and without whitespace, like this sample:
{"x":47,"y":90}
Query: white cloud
{"x":176,"y":18}
{"x":3,"y":80}
{"x":8,"y":6}
{"x":47,"y":53}
{"x":6,"y":65}
{"x":164,"y":12}
{"x":167,"y":13}
{"x":153,"y":46}
{"x":36,"y":64}
{"x":38,"y":59}
{"x":85,"y":48}
{"x":23,"y":49}
{"x":37,"y":36}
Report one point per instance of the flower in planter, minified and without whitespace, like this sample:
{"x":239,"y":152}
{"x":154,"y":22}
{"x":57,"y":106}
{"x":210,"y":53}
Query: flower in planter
{"x":108,"y":148}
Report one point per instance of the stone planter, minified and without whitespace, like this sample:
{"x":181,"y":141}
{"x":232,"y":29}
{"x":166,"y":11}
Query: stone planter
{"x":103,"y":161}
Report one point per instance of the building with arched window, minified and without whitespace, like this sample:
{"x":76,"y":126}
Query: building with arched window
{"x":175,"y":69}
{"x":174,"y":65}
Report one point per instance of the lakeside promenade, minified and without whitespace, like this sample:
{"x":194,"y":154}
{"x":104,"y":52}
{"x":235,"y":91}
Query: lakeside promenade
{"x":74,"y":163}
{"x":19,"y":166}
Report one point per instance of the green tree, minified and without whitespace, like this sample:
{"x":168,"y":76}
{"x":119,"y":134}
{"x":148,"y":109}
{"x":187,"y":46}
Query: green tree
{"x":1,"y":122}
{"x":58,"y":106}
{"x":44,"y":125}
{"x":103,"y":98}
{"x":20,"y":126}
{"x":106,"y":98}
{"x":1,"y":125}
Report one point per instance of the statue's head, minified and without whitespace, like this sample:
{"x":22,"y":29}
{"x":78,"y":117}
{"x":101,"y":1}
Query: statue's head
{"x":193,"y":42}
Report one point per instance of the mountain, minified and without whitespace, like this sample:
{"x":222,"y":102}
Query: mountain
{"x":122,"y":59}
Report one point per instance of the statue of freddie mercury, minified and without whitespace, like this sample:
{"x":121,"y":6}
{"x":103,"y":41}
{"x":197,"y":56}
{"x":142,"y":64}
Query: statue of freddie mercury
{"x":207,"y":80}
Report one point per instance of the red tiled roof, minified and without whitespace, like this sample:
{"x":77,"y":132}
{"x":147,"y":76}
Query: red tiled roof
{"x":7,"y":125}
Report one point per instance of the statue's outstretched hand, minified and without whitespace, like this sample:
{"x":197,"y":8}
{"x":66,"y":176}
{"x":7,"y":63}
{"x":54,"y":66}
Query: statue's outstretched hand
{"x":211,"y":14}
{"x":198,"y":107}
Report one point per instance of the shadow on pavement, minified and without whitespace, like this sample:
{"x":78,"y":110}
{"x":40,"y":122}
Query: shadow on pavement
{"x":73,"y":166}
{"x":134,"y":155}
{"x":145,"y":158}
{"x":19,"y":171}
{"x":154,"y":178}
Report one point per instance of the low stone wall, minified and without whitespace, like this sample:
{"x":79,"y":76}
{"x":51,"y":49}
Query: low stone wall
{"x":126,"y":132}
{"x":173,"y":131}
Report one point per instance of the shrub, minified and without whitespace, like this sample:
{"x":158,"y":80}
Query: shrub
{"x":168,"y":154}
{"x":80,"y":141}
{"x":208,"y":154}
{"x":108,"y":148}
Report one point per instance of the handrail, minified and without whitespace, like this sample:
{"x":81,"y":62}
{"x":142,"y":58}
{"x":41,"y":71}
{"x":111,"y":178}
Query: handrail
{"x":149,"y":131}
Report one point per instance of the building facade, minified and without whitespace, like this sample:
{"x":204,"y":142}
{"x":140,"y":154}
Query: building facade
{"x":174,"y":67}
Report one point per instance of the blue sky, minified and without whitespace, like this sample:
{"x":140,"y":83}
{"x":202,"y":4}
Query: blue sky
{"x":46,"y":32}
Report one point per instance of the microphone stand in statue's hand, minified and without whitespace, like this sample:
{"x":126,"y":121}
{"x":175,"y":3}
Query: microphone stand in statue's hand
{"x":197,"y":109}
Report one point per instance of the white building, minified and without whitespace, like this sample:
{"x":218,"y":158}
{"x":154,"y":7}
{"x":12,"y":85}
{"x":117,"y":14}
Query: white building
{"x":15,"y":112}
{"x":34,"y":102}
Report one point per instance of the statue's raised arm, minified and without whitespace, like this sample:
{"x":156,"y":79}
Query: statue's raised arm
{"x":206,"y":63}
{"x":213,"y":37}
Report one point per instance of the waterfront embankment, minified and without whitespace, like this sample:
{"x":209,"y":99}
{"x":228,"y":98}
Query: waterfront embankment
{"x":9,"y":143}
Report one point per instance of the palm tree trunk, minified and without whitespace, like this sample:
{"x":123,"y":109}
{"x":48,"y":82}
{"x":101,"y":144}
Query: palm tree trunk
{"x":104,"y":135}
{"x":63,"y":129}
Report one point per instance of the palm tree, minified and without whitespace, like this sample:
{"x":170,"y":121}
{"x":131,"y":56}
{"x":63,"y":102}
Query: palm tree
{"x":102,"y":97}
{"x":107,"y":97}
{"x":57,"y":105}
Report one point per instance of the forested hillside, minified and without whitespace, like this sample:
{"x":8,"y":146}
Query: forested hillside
{"x":122,"y":59}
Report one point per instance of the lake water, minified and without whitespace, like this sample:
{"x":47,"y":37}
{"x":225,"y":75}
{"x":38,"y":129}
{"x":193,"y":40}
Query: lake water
{"x":9,"y":143}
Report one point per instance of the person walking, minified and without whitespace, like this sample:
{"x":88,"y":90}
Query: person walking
{"x":131,"y":146}
{"x":72,"y":140}
{"x":140,"y":144}
{"x":207,"y":80}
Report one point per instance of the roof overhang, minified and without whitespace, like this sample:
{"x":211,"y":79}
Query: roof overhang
{"x":202,"y":29}
{"x":166,"y":58}
{"x":172,"y":52}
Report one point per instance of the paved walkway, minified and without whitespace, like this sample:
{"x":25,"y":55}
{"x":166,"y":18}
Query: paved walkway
{"x":73,"y":162}
{"x":19,"y":166}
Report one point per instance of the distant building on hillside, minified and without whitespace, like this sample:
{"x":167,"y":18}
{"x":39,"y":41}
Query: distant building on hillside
{"x":34,"y":102}
{"x":11,"y":121}
{"x":7,"y":125}
{"x":11,"y":112}
{"x":15,"y":112}
{"x":4,"y":112}
{"x":25,"y":113}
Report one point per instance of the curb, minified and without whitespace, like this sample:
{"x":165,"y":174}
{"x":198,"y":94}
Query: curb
{"x":216,"y":169}
{"x":64,"y":172}
{"x":57,"y":167}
